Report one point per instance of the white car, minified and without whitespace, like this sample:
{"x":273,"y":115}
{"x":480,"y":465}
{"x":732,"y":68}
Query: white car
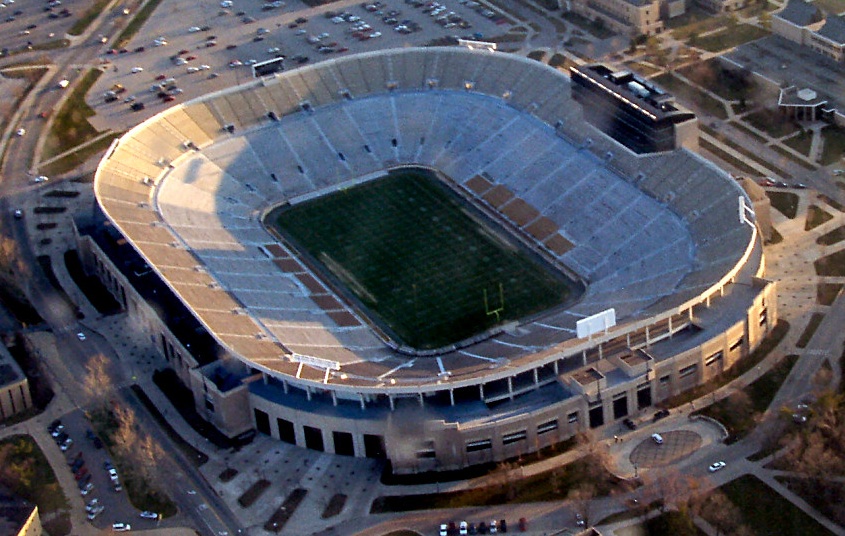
{"x":193,"y":29}
{"x":226,"y":3}
{"x":41,"y":178}
{"x":273,"y":50}
{"x":80,"y":336}
{"x":137,"y":70}
{"x":657,"y":438}
{"x":463,"y":528}
{"x":193,"y":69}
{"x":444,"y":529}
{"x":204,"y":67}
{"x":149,"y":515}
{"x":717,"y":466}
{"x":121,"y":527}
{"x":20,"y":132}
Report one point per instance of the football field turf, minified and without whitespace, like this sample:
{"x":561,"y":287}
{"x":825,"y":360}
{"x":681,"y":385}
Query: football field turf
{"x":428,"y":269}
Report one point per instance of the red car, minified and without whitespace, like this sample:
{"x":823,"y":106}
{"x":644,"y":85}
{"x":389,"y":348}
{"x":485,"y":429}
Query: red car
{"x":189,"y":58}
{"x":184,"y":51}
{"x":160,"y":77}
{"x":169,"y":98}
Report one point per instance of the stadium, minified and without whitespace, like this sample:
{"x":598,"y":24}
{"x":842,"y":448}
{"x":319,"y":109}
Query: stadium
{"x":660,"y":249}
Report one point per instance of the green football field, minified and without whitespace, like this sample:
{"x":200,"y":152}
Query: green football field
{"x":429,"y":270}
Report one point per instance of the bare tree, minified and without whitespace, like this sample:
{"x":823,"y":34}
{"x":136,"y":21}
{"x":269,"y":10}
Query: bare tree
{"x":582,"y":498}
{"x":720,"y":512}
{"x":97,"y":383}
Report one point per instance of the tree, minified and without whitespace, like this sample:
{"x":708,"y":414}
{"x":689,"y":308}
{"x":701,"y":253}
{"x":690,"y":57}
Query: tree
{"x":582,"y":498}
{"x":720,"y":512}
{"x":765,"y":20}
{"x":97,"y":383}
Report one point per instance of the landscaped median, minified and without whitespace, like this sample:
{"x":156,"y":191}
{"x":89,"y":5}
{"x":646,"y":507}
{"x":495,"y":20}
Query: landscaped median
{"x":70,"y":126}
{"x":134,"y":454}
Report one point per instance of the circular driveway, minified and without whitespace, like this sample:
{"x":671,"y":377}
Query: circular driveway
{"x":677,"y":444}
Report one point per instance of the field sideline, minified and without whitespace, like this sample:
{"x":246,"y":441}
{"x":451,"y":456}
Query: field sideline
{"x":428,"y":269}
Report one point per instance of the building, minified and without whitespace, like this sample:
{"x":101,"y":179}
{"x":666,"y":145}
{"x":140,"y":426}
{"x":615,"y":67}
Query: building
{"x":14,"y":386}
{"x":667,"y":240}
{"x":633,"y":111}
{"x":628,"y":17}
{"x":804,"y":23}
{"x":722,"y":6}
{"x":17,"y":516}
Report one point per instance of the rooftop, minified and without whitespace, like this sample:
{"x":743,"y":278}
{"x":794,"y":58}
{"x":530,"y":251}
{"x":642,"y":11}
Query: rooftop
{"x":800,"y":13}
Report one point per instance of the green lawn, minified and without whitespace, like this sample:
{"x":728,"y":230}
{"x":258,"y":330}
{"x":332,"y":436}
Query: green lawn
{"x":88,"y":17}
{"x":25,"y":471}
{"x":801,"y":142}
{"x":771,"y":122}
{"x":135,"y":24}
{"x":815,"y":217}
{"x":784,"y":202}
{"x":834,"y":144}
{"x":729,"y":83}
{"x":810,"y":330}
{"x":739,"y":419}
{"x":767,"y":512}
{"x":836,"y":235}
{"x":70,"y":125}
{"x":729,"y":38}
{"x":431,"y":269}
{"x":833,"y":265}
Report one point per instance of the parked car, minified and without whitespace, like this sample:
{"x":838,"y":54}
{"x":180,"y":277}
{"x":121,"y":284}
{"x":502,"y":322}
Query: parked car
{"x":121,"y":527}
{"x":661,"y":414}
{"x":716,"y":466}
{"x":657,"y":438}
{"x":629,"y":423}
{"x":149,"y":515}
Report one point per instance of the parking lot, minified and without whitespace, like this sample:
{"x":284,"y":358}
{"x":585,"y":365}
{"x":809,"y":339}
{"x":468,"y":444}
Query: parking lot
{"x":210,"y":48}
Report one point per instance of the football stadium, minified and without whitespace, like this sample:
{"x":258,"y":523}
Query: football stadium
{"x":425,"y":255}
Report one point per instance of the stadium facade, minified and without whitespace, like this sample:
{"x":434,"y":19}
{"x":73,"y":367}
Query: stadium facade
{"x":667,"y":240}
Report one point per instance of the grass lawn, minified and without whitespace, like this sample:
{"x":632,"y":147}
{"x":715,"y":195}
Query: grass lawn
{"x":833,"y":237}
{"x":827,"y":292}
{"x":560,"y":61}
{"x":768,"y":512}
{"x":694,"y":22}
{"x":740,"y":126}
{"x":785,"y":202}
{"x":740,"y":166}
{"x":729,"y":38}
{"x":88,"y":17}
{"x":135,"y":24}
{"x":537,"y":55}
{"x":387,"y":241}
{"x":729,"y":83}
{"x":801,"y":142}
{"x":771,"y":122}
{"x":811,"y":328}
{"x":789,"y":156}
{"x":740,"y":420}
{"x":833,"y":265}
{"x":834,"y":144}
{"x":70,"y":125}
{"x":832,"y":202}
{"x":26,"y":472}
{"x":815,"y":217}
{"x":691,"y":96}
{"x":141,"y":492}
{"x":77,"y":158}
